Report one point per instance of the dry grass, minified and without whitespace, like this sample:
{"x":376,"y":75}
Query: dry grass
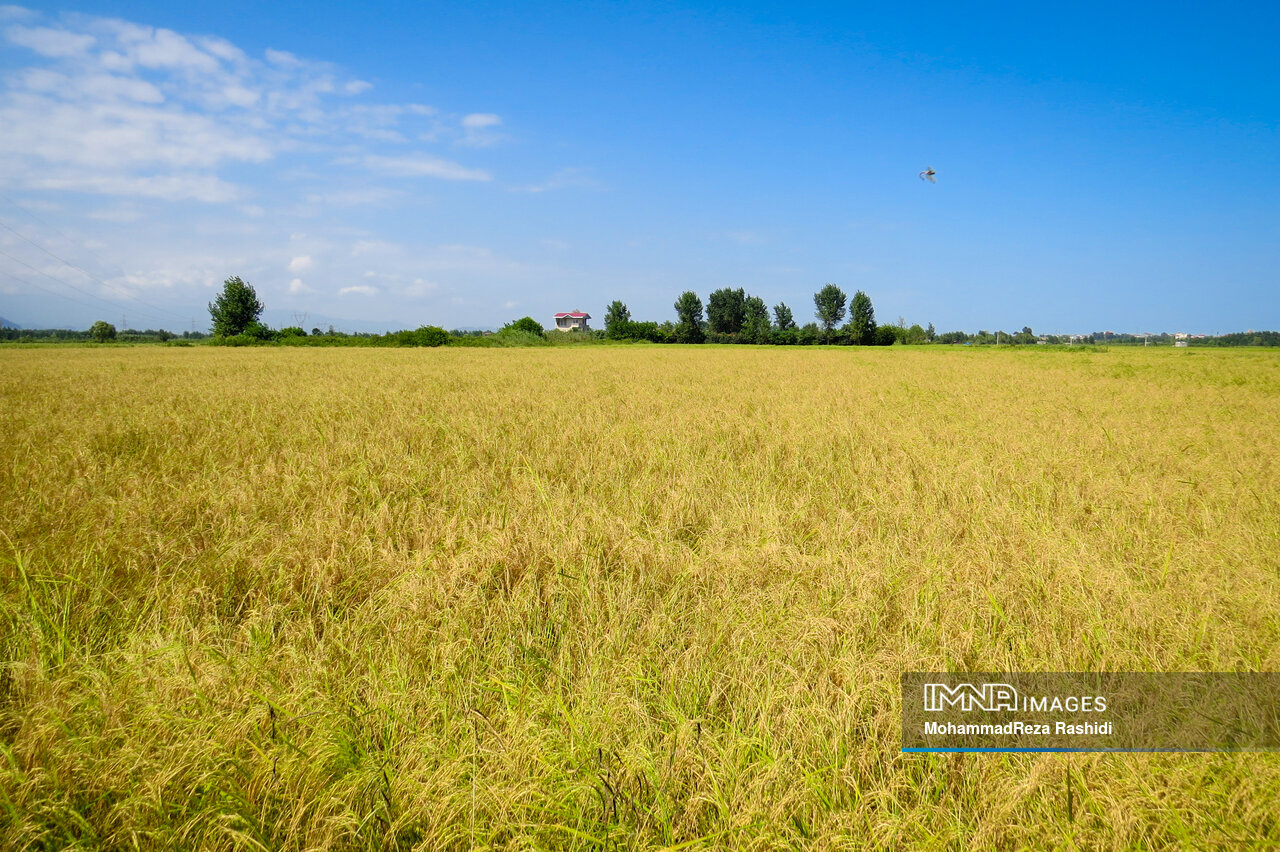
{"x":614,"y":597}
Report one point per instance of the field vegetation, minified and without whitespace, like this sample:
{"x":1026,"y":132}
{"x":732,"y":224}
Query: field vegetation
{"x":615,"y":597}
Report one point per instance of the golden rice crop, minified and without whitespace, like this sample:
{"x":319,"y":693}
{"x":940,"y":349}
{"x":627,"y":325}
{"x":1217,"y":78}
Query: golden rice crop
{"x":615,"y":597}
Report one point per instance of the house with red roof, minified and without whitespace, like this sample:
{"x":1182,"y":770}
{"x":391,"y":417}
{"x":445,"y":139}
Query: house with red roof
{"x":572,"y":321}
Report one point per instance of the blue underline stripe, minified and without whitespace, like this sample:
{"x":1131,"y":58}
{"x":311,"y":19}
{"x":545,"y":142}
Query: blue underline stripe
{"x":1074,"y":750}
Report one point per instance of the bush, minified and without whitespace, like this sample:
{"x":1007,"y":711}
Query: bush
{"x":102,"y":332}
{"x":259,"y":332}
{"x":632,"y":330}
{"x":527,"y":325}
{"x":785,"y":336}
{"x":431,"y":335}
{"x":515,"y":337}
{"x":292,"y":331}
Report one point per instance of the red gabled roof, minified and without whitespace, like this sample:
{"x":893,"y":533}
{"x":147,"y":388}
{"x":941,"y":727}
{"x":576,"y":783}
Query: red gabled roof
{"x":574,"y":314}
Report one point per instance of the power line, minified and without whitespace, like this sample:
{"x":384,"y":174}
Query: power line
{"x":60,"y":232}
{"x":109,"y":303}
{"x":90,"y":275}
{"x":51,"y":292}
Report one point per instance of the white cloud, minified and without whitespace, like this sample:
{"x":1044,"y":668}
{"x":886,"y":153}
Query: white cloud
{"x":564,"y":179}
{"x":477,"y":129}
{"x":95,"y":87}
{"x":152,"y":48}
{"x":282,"y":57}
{"x":509,"y":305}
{"x":373,"y":247}
{"x":121,"y":213}
{"x":166,"y":187}
{"x":353,"y":197}
{"x":50,"y":42}
{"x":223,"y":49}
{"x":480,"y":120}
{"x":419,"y":288}
{"x":191,"y":159}
{"x":423,"y":165}
{"x":17,"y":13}
{"x":114,"y":107}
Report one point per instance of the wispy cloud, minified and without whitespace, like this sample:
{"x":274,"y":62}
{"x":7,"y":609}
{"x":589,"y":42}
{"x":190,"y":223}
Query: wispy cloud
{"x":422,"y":165}
{"x":108,"y":106}
{"x":564,"y":179}
{"x":47,"y":41}
{"x":353,"y":197}
{"x":479,"y":129}
{"x":17,"y":13}
{"x":190,"y":159}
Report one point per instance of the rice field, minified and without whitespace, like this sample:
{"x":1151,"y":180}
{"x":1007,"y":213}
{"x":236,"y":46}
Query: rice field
{"x":615,"y":597}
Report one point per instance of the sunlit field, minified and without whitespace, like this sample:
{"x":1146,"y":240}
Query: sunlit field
{"x":615,"y":597}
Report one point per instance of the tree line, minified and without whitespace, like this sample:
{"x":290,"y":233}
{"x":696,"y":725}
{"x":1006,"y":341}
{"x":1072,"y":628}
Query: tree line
{"x":729,"y":316}
{"x":732,"y":316}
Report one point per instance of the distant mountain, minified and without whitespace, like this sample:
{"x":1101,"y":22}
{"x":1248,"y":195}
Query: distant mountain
{"x":280,"y":318}
{"x":4,"y":323}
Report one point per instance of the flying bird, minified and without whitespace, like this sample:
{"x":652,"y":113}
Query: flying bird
{"x":928,"y":174}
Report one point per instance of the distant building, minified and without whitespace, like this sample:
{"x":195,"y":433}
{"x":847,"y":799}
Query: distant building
{"x":572,"y":321}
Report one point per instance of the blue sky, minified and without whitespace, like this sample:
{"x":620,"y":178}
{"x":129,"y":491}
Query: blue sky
{"x":1108,"y":166}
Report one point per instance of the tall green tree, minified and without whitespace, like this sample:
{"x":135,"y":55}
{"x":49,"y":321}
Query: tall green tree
{"x":726,"y":310}
{"x":689,"y":311}
{"x":616,"y":317}
{"x":829,"y":301}
{"x":102,"y":331}
{"x":755,"y":323}
{"x":235,"y":308}
{"x":782,"y":316}
{"x":862,"y":320}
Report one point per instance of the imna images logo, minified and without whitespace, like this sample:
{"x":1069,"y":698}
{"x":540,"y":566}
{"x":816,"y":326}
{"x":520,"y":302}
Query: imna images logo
{"x":990,"y":697}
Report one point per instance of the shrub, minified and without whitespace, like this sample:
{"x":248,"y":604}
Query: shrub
{"x":102,"y":332}
{"x":259,"y":332}
{"x":527,"y":325}
{"x":430,"y":335}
